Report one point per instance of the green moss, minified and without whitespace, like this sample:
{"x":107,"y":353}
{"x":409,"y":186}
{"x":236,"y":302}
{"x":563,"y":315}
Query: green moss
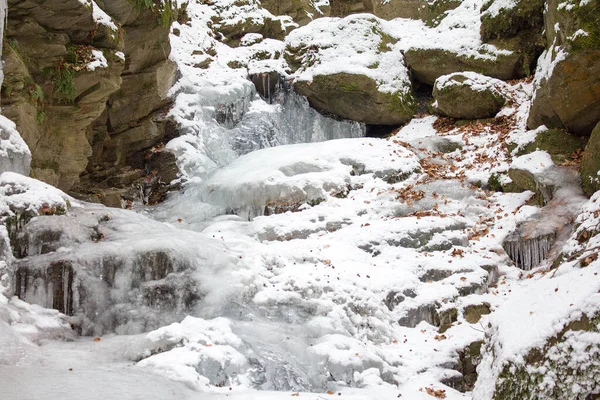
{"x":525,"y":381}
{"x":12,"y":43}
{"x":349,"y":87}
{"x":494,"y":183}
{"x":558,"y":143}
{"x":589,"y":20}
{"x":403,"y":104}
{"x":141,"y":4}
{"x":46,"y":164}
{"x":235,"y":64}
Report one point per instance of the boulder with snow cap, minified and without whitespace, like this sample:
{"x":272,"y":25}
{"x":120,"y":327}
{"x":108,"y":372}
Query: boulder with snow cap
{"x":468,"y":95}
{"x":350,"y":68}
{"x":428,"y":64}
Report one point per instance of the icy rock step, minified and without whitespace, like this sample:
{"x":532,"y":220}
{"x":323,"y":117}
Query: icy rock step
{"x":284,"y":178}
{"x":431,"y":314}
{"x":474,"y":283}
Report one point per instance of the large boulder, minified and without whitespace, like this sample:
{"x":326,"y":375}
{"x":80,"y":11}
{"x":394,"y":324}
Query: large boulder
{"x":428,"y":64}
{"x":568,"y":74}
{"x":429,"y":12}
{"x":350,"y":68}
{"x":468,"y":95}
{"x":590,"y":163}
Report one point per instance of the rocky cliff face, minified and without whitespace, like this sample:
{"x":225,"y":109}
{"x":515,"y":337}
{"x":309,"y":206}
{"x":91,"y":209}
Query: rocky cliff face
{"x":86,"y":84}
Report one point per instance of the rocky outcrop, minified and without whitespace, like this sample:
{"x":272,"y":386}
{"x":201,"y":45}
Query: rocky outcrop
{"x":567,"y":79}
{"x":571,"y":379}
{"x":468,"y":95}
{"x":86,"y":85}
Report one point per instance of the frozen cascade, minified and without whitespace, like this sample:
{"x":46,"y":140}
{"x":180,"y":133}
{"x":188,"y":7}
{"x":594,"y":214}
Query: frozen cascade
{"x":528,"y":252}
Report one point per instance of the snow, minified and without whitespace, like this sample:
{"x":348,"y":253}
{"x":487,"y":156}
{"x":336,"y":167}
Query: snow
{"x":475,"y":81}
{"x":538,"y":162}
{"x":497,"y":6}
{"x":549,"y":59}
{"x":98,"y":61}
{"x":221,"y":115}
{"x":24,"y":194}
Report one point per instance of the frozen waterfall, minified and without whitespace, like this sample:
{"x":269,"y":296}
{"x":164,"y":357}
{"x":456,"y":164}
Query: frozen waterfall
{"x":220,"y":124}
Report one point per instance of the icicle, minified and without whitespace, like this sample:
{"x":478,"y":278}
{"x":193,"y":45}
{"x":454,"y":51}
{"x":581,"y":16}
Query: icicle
{"x":3,"y":19}
{"x":527,"y":253}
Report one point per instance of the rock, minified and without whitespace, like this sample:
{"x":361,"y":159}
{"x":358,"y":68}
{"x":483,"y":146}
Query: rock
{"x":473,"y":312}
{"x":567,"y":78}
{"x":570,"y":97}
{"x":468,"y":360}
{"x":350,"y":68}
{"x":357,"y":97}
{"x":468,"y":95}
{"x":60,"y":104}
{"x":302,"y":12}
{"x":561,"y":145}
{"x":427,"y":65}
{"x":429,"y":12}
{"x":590,"y":163}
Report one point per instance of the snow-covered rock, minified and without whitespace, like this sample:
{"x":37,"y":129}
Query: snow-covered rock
{"x":350,"y":68}
{"x":468,"y":95}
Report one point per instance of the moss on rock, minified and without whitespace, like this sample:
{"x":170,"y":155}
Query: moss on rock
{"x":357,"y":97}
{"x":557,"y":142}
{"x":552,"y":372}
{"x":590,"y":163}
